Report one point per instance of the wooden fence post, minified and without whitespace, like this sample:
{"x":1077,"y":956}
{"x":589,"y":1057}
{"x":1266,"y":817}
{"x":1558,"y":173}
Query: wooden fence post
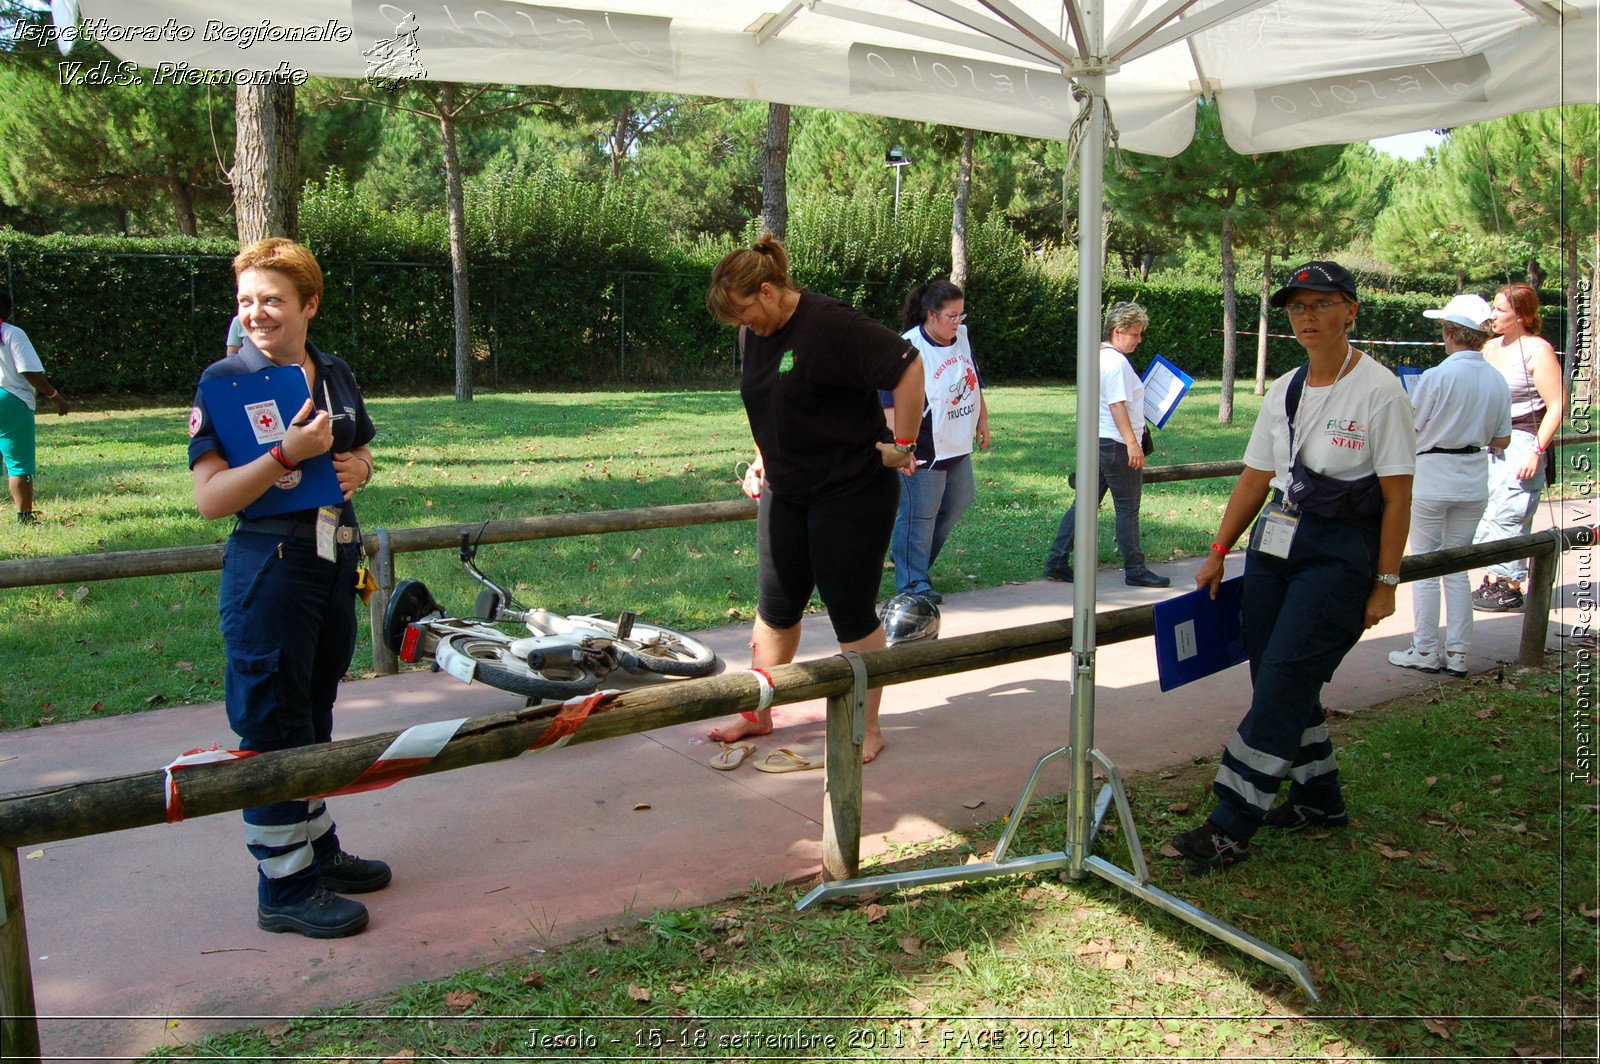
{"x":19,"y":1023}
{"x":1536,"y":596}
{"x":384,"y":661}
{"x":841,"y":793}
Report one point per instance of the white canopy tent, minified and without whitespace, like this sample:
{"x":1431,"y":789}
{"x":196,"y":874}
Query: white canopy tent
{"x":1282,"y":73}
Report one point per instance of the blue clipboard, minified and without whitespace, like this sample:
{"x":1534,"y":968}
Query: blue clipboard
{"x":251,"y":412}
{"x":1196,"y":636}
{"x":1409,"y":376}
{"x":1165,"y":386}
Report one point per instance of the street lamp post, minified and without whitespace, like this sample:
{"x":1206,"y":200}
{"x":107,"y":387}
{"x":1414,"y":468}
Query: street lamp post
{"x":896,"y":160}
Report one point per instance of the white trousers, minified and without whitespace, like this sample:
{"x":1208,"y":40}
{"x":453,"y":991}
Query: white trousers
{"x":1439,"y":525}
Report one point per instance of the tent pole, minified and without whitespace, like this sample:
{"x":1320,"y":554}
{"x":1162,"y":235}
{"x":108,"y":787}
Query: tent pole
{"x":1091,"y":178}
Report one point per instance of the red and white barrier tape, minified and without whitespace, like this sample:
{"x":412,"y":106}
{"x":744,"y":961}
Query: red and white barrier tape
{"x":764,"y":680}
{"x":411,"y":749}
{"x":200,"y":755}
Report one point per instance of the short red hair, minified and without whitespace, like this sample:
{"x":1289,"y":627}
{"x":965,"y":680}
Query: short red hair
{"x":289,"y":258}
{"x":1525,"y":303}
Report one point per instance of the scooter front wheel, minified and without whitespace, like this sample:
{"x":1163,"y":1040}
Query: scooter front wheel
{"x":496,"y":666}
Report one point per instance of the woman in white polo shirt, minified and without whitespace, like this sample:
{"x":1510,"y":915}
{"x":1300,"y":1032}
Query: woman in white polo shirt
{"x":1121,"y":451}
{"x":1335,"y":449}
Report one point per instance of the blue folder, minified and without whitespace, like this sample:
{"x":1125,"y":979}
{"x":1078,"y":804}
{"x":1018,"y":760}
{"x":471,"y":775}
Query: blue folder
{"x":250,"y":413}
{"x":1197,"y":636}
{"x":1182,"y":381}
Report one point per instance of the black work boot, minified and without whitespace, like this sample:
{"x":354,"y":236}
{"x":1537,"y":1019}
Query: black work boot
{"x":321,"y":915}
{"x":345,"y":873}
{"x":1291,"y":816}
{"x":1208,"y":847}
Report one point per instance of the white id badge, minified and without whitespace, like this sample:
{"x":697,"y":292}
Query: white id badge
{"x":327,"y":527}
{"x":1274,"y":532}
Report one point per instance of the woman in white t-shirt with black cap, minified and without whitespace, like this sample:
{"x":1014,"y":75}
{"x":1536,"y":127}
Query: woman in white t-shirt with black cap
{"x":1335,"y":449}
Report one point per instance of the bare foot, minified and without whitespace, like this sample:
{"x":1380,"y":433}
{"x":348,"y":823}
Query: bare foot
{"x":739,"y":728}
{"x":872,"y":745}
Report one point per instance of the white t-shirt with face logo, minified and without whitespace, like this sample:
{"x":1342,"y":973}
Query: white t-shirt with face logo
{"x":1358,"y":426}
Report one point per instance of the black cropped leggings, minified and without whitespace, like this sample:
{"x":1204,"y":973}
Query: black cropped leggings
{"x":836,"y":547}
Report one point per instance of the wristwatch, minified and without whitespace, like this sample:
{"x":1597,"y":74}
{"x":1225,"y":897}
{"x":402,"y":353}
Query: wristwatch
{"x":904,"y":448}
{"x":1392,"y":579}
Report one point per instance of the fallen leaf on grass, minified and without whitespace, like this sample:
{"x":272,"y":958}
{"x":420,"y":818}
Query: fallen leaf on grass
{"x":1392,"y":855}
{"x":97,"y":707}
{"x":1430,"y":781}
{"x":404,"y":1054}
{"x":676,"y":987}
{"x":456,"y":1051}
{"x":877,"y":913}
{"x":1172,"y":1041}
{"x":1168,"y":850}
{"x":461,"y":999}
{"x":956,"y":958}
{"x":1577,"y":975}
{"x":1438,"y":1027}
{"x":1090,"y":948}
{"x":911,"y":945}
{"x":534,"y":979}
{"x":1518,"y":829}
{"x":1486,"y":714}
{"x":1588,"y":913}
{"x":639,"y":993}
{"x":183,"y":666}
{"x":1116,"y":962}
{"x":1178,"y":807}
{"x":612,"y":937}
{"x":1455,"y":958}
{"x":1533,"y":915}
{"x":707,"y":953}
{"x":275,"y":1031}
{"x":1495,"y":781}
{"x":637,"y":555}
{"x":1340,"y":711}
{"x":916,"y":1005}
{"x":735,"y":940}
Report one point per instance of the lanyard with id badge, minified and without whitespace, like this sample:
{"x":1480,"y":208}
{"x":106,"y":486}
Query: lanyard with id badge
{"x":1279,"y":521}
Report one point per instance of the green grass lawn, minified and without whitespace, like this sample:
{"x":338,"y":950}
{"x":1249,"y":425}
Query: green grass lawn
{"x":1454,"y":919}
{"x":118,"y":480}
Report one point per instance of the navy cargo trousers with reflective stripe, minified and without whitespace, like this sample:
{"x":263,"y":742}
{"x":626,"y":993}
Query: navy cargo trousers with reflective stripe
{"x":1302,"y":614}
{"x":289,"y":624}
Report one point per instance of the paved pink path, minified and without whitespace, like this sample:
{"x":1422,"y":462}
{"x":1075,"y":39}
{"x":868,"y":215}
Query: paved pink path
{"x":130,"y":929}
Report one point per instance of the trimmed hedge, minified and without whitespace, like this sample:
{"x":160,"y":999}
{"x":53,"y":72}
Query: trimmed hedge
{"x":578,"y":284}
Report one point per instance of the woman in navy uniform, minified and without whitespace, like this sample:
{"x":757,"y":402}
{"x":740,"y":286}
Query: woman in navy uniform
{"x":1335,"y":446}
{"x":288,"y":600}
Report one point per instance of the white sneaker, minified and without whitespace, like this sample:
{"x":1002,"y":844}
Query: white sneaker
{"x":1454,"y":664}
{"x":1410,"y":659}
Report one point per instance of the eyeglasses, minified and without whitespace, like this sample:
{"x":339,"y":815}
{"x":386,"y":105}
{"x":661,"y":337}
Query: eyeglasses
{"x":953,"y":320}
{"x":1321,"y":306}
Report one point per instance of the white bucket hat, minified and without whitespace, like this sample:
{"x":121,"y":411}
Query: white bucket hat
{"x":1471,"y":311}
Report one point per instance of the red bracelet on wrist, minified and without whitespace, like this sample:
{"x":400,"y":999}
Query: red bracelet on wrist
{"x":281,"y":458}
{"x":1219,"y":548}
{"x":904,"y":443}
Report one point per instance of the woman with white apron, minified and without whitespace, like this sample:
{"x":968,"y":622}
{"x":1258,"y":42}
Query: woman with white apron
{"x":954,"y":418}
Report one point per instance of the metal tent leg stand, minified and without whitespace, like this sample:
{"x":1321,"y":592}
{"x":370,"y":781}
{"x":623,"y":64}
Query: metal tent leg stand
{"x":1136,"y":883}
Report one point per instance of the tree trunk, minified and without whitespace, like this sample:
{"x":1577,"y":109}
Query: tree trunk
{"x":1230,"y":323}
{"x":958,"y":217}
{"x":775,"y":171}
{"x":458,"y":242}
{"x":619,"y":138}
{"x":1147,"y":261}
{"x":1536,"y":275}
{"x":1262,"y":323}
{"x":1461,"y":281}
{"x":182,"y":197}
{"x":266,"y":154}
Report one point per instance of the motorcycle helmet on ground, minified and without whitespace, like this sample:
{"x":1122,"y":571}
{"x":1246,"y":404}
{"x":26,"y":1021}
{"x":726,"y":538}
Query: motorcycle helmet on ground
{"x":910,"y":618}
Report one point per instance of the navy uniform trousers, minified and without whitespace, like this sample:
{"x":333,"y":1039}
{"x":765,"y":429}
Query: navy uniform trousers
{"x":1302,"y":614}
{"x":289,"y":625}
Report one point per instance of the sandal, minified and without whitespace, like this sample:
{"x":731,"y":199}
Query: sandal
{"x":784,"y":760}
{"x":732,"y":756}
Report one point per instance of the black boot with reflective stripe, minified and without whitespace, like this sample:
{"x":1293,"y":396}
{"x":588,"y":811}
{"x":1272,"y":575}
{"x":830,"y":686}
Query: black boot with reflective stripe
{"x":1208,"y":846}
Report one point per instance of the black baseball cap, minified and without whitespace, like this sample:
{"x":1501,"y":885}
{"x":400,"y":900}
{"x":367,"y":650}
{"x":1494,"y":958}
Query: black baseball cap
{"x":1316,"y":276}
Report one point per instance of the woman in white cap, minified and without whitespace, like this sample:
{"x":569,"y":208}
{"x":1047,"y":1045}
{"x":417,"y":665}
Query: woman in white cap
{"x":1334,"y":447}
{"x":1463,"y":407}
